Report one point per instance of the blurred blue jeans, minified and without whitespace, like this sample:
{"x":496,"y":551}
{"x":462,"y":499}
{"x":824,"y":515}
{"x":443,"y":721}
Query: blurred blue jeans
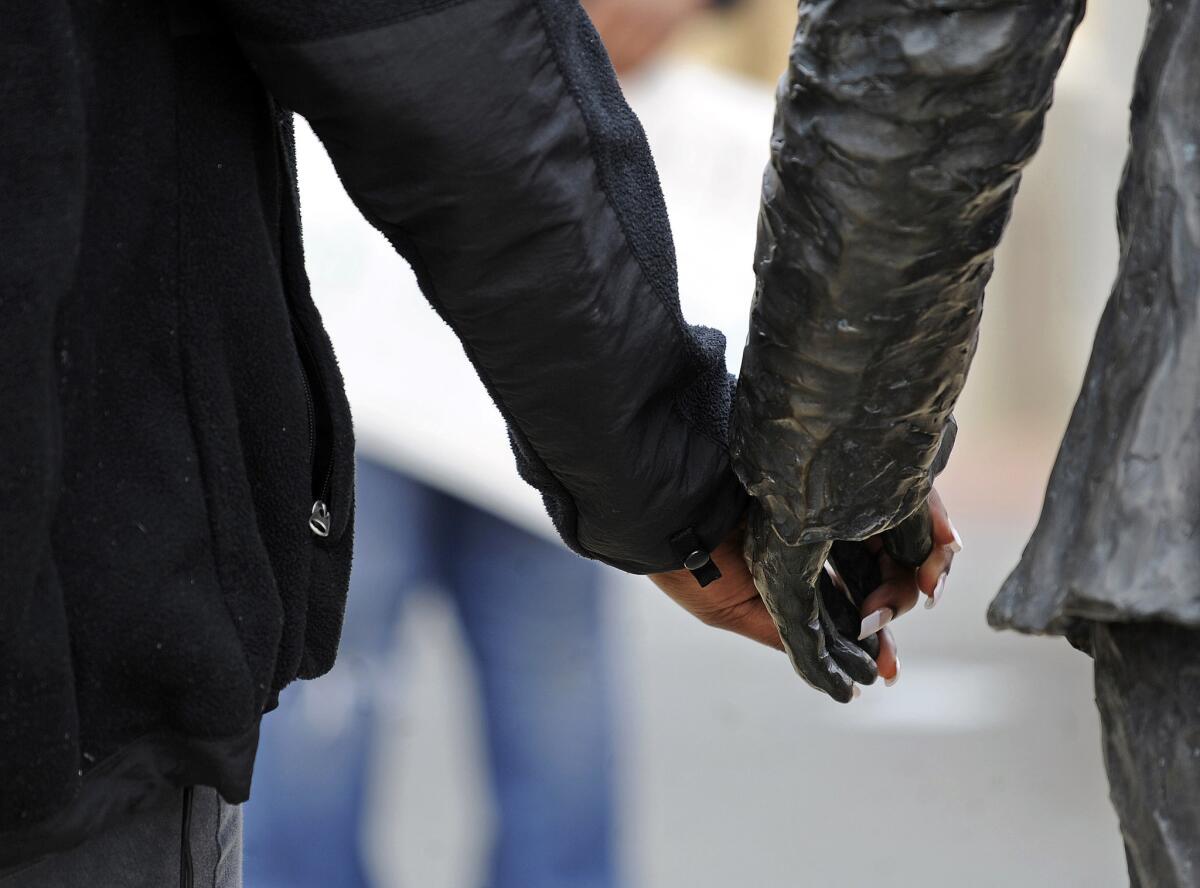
{"x":530,"y":613}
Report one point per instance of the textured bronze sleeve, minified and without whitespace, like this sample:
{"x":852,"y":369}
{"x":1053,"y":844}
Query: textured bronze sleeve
{"x":900,"y":133}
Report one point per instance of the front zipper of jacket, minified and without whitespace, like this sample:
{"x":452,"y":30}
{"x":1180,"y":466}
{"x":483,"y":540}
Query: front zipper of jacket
{"x":320,"y":440}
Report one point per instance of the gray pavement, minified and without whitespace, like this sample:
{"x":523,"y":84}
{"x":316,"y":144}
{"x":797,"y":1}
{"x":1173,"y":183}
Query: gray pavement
{"x":981,"y":767}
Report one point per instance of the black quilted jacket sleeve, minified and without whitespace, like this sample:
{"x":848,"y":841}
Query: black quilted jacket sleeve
{"x":490,"y":143}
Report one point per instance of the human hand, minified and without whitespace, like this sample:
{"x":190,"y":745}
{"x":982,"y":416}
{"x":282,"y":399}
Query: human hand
{"x":902,"y":581}
{"x":730,"y":602}
{"x":832,"y":623}
{"x":633,"y":30}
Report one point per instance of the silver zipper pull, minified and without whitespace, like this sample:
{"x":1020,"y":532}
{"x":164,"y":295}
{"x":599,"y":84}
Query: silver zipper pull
{"x":318,"y":521}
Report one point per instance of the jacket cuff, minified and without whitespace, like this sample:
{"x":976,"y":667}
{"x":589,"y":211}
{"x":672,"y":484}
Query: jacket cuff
{"x":682,"y":543}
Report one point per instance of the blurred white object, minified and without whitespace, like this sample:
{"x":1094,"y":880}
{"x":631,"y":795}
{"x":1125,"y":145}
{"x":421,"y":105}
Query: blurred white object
{"x":418,"y":405}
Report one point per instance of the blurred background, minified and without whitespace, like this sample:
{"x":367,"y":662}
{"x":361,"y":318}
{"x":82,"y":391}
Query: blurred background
{"x":614,"y":740}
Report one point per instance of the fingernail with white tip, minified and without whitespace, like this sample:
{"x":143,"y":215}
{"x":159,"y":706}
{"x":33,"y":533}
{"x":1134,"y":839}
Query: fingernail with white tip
{"x":875,"y":621}
{"x":896,"y":677}
{"x":933,"y":599}
{"x":955,"y":546}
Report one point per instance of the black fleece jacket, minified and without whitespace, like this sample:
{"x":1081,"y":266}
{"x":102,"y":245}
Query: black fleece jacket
{"x":178,"y":454}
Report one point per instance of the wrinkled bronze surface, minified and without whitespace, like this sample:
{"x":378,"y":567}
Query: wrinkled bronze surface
{"x":899,"y":137}
{"x":1119,"y":536}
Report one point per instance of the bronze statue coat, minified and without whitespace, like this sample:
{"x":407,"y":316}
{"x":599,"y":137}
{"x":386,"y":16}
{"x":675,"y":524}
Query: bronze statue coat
{"x":1119,"y":536}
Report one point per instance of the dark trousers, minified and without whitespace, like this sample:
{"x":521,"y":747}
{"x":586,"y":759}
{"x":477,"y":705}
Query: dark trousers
{"x":1148,"y":693}
{"x":147,"y":849}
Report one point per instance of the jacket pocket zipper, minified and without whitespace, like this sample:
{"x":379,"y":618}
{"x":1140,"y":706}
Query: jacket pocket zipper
{"x":320,"y":440}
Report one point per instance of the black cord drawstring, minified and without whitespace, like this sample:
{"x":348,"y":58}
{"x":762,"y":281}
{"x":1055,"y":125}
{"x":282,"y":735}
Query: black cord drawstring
{"x":185,"y":841}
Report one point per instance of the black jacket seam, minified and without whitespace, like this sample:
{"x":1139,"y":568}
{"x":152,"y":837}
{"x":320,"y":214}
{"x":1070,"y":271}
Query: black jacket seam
{"x":723,"y":446}
{"x":674,"y":312}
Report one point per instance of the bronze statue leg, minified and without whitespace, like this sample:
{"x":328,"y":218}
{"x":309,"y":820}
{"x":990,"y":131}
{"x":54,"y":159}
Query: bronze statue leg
{"x":1148,"y":693}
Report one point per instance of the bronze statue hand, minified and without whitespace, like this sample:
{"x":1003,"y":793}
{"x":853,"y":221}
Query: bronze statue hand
{"x":789,"y":581}
{"x":783,"y":597}
{"x":900,"y":133}
{"x":831,"y":602}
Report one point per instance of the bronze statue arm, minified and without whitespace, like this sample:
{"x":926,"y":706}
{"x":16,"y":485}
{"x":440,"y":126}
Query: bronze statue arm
{"x":900,"y":133}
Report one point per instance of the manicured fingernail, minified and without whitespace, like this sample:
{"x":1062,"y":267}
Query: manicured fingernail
{"x":895,"y":678}
{"x":875,"y":621}
{"x":933,"y":599}
{"x":855,"y":692}
{"x":955,"y":546}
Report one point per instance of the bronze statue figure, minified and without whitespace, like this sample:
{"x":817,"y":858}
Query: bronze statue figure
{"x":900,"y":135}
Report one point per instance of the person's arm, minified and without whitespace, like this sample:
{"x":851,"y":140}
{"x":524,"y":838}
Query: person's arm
{"x":489,"y":141}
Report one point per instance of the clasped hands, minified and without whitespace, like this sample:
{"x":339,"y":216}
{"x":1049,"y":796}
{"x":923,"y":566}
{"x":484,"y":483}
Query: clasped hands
{"x":828,"y":605}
